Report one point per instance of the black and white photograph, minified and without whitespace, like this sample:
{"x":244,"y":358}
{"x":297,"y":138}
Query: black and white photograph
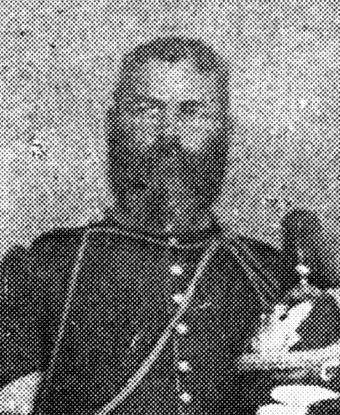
{"x":170,"y":207}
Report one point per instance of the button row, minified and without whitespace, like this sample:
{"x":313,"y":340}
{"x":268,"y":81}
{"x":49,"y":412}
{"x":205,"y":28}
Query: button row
{"x":181,"y":328}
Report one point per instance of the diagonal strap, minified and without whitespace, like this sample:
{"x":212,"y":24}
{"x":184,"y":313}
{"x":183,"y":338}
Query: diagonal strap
{"x":136,"y":379}
{"x":263,"y":284}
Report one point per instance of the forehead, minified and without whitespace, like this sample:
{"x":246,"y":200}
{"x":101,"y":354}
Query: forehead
{"x":177,"y":81}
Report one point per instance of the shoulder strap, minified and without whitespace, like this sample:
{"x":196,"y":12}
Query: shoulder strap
{"x":264,"y":284}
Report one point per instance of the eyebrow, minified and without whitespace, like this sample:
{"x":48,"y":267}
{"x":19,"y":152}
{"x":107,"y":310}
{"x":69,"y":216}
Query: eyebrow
{"x":149,"y":100}
{"x":194,"y":102}
{"x":155,"y":101}
{"x":143,"y":98}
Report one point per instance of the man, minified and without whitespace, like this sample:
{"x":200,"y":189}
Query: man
{"x":149,"y":311}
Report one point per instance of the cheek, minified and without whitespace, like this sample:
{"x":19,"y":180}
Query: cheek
{"x":139,"y":133}
{"x":197,"y":136}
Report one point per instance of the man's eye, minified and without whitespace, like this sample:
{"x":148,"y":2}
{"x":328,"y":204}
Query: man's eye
{"x":189,"y":108}
{"x":146,"y":109}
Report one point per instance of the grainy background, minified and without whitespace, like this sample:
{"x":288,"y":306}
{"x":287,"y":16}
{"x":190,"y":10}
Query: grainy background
{"x":58,"y":66}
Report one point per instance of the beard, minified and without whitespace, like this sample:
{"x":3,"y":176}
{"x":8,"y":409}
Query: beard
{"x":165,"y":185}
{"x":170,"y":194}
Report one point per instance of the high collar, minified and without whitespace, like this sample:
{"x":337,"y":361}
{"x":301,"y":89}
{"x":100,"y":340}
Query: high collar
{"x":183,"y":238}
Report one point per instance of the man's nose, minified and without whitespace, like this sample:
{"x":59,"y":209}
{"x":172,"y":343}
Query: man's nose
{"x":169,"y":131}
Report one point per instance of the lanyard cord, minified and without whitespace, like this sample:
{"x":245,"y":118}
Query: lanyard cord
{"x":61,"y":331}
{"x":139,"y":375}
{"x":136,"y":379}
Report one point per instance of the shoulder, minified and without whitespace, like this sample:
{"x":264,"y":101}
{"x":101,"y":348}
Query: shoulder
{"x":46,"y":261}
{"x":263,"y":249}
{"x":253,"y":249}
{"x":53,"y":255}
{"x":48,"y":247}
{"x":64,"y":241}
{"x":258,"y":260}
{"x":57,"y":241}
{"x":53,"y":242}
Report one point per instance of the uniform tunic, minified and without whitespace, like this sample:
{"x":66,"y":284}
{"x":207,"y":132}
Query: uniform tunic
{"x":130,"y":285}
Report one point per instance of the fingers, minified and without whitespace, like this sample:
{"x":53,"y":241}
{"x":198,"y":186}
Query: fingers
{"x":279,"y":333}
{"x":302,"y":395}
{"x":298,"y":314}
{"x":280,"y":409}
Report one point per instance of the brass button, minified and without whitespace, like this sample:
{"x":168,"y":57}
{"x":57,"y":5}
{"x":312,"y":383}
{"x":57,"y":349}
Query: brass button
{"x":184,"y":366}
{"x":302,"y":269}
{"x":173,"y":242}
{"x":169,"y":227}
{"x":178,"y":298}
{"x":185,"y":397}
{"x":176,"y":270}
{"x":182,"y":328}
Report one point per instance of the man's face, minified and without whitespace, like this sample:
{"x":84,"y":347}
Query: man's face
{"x":170,"y":145}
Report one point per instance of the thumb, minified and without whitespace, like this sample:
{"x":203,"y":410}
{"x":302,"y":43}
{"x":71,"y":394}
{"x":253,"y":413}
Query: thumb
{"x":297,"y":315}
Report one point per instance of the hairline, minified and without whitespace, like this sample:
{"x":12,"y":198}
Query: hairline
{"x":173,"y":50}
{"x":126,"y":76}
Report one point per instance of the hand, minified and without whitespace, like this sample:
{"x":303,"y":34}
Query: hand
{"x":279,"y":333}
{"x":17,"y":397}
{"x":281,"y":409}
{"x":296,"y":399}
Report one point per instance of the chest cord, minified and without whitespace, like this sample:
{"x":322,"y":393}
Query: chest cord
{"x":47,"y":378}
{"x":136,"y":379}
{"x":139,"y":375}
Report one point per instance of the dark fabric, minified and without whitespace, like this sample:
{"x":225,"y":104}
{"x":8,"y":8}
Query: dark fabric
{"x":123,"y":302}
{"x":329,"y":407}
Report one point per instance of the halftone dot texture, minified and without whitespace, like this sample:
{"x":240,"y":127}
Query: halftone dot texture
{"x":59,"y":66}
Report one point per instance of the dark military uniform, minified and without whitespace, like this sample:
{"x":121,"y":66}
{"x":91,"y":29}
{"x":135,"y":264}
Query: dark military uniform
{"x":129,"y":287}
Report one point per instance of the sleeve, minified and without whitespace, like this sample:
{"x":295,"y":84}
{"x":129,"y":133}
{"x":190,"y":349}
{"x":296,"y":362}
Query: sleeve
{"x":19,"y":340}
{"x":33,"y":286}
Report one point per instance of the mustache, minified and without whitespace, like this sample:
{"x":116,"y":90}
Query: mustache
{"x":162,"y":163}
{"x":169,"y":160}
